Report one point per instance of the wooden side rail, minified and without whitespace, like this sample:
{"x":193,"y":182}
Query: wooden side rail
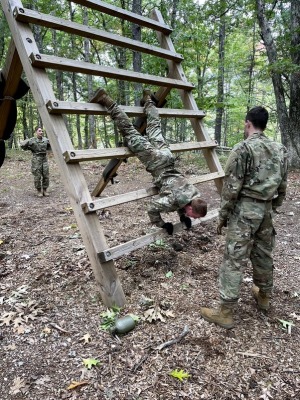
{"x":72,"y":107}
{"x":140,"y":194}
{"x":12,"y":71}
{"x":127,"y":15}
{"x":125,"y":248}
{"x":82,"y":67}
{"x":75,"y":156}
{"x":49,"y":21}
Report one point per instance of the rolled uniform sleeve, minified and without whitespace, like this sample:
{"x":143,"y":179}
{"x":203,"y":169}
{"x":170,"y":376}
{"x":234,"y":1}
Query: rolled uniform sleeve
{"x":159,"y":205}
{"x":25,"y":144}
{"x":233,"y":182}
{"x":277,"y":202}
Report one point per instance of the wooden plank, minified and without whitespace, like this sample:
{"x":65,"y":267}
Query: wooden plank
{"x":126,"y":248}
{"x":72,"y":175}
{"x":176,"y":71}
{"x":140,"y":194}
{"x":49,"y":21}
{"x":12,"y":71}
{"x":103,"y":182}
{"x":75,"y":156}
{"x":72,"y":107}
{"x":124,"y":14}
{"x":65,"y":64}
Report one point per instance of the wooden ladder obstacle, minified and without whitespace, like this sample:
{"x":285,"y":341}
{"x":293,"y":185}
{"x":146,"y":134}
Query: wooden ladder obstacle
{"x":35,"y":64}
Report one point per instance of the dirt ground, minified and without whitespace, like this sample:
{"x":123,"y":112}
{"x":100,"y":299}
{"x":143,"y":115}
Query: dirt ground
{"x":50,"y":318}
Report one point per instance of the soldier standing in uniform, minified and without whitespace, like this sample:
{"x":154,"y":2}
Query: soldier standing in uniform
{"x":254,"y":186}
{"x":175,"y":193}
{"x":39,"y":164}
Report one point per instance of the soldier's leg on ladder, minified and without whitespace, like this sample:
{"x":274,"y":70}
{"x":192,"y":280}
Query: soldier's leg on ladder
{"x":153,"y":129}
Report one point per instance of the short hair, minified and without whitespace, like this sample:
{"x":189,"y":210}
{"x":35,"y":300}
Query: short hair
{"x":37,"y":127}
{"x":199,"y":206}
{"x":258,"y":116}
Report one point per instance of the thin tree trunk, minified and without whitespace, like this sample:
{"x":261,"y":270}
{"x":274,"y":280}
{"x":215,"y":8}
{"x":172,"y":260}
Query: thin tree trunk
{"x":220,"y":95}
{"x":74,"y":86}
{"x":276,"y":77}
{"x":295,"y":84}
{"x":91,"y":141}
{"x":137,"y":56}
{"x":251,"y":68}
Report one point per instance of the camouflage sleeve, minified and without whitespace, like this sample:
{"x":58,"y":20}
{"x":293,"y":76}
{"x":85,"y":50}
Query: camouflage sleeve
{"x":157,"y":206}
{"x":283,"y":185}
{"x":233,"y":182}
{"x":25,"y":144}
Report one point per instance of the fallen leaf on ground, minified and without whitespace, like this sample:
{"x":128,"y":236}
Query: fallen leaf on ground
{"x":180,"y":374}
{"x":75,"y":384}
{"x":18,"y":384}
{"x":89,"y":362}
{"x":87,"y":338}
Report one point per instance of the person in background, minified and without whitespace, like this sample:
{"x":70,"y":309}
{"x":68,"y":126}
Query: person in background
{"x":39,"y":164}
{"x":175,"y":192}
{"x":254,"y":186}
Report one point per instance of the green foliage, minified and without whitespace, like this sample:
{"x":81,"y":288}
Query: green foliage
{"x":159,"y":244}
{"x":90,"y":362}
{"x":109,"y":317}
{"x":247,"y":74}
{"x":179,"y":374}
{"x":286,"y":324}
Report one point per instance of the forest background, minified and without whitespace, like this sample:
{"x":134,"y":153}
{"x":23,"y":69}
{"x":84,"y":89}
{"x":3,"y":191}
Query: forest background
{"x":238,"y":54}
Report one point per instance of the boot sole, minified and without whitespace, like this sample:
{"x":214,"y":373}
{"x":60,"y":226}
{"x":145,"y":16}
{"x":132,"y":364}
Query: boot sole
{"x":98,"y":95}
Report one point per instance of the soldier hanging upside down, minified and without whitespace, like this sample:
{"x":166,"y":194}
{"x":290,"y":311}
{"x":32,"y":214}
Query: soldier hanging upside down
{"x":175,"y":192}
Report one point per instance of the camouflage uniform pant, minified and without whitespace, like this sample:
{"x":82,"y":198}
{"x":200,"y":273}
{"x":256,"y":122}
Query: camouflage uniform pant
{"x":250,"y":236}
{"x":152,"y":150}
{"x":40,"y":171}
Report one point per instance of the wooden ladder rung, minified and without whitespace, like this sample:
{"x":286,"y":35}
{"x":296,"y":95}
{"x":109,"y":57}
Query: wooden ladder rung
{"x":127,"y":15}
{"x":75,"y":156}
{"x":125,"y":248}
{"x":72,"y":107}
{"x":140,"y":194}
{"x":49,"y":21}
{"x":82,"y":67}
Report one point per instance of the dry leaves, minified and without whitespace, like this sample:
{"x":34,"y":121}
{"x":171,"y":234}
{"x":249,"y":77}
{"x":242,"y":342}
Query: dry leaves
{"x":157,"y":314}
{"x":19,"y":386}
{"x":75,"y":384}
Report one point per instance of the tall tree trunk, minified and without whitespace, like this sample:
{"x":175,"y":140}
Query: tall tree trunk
{"x":286,"y":124}
{"x":74,"y":86}
{"x":251,"y":68}
{"x":295,"y":84}
{"x":91,"y":134}
{"x":220,"y":95}
{"x":174,"y":13}
{"x":137,"y":56}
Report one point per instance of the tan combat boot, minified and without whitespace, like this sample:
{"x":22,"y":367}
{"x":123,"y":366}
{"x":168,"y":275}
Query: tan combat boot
{"x":45,"y":192}
{"x":39,"y":193}
{"x":222,"y":316}
{"x":262,"y":299}
{"x":101,"y":97}
{"x":147,"y":94}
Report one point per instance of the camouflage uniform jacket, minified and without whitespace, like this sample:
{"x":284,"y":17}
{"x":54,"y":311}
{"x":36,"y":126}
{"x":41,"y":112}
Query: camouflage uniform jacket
{"x":175,"y":192}
{"x":256,"y":168}
{"x":37,"y":146}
